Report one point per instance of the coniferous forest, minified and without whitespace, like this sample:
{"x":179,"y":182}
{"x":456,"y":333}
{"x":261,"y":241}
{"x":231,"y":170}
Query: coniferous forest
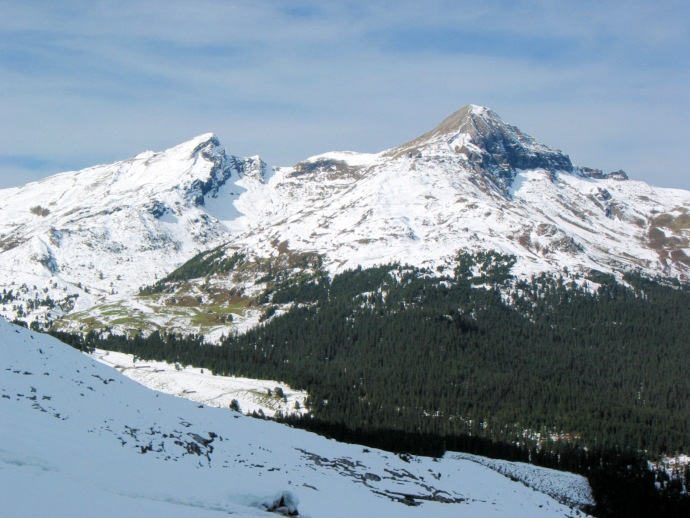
{"x":588,"y":374}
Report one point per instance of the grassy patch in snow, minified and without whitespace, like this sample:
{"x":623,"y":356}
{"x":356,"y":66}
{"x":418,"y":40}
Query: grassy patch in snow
{"x":203,"y":308}
{"x":676,"y":223}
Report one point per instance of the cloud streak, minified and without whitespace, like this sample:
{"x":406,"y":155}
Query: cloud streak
{"x":89,"y":83}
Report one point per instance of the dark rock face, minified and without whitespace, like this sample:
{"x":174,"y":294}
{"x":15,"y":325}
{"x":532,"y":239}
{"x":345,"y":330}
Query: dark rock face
{"x":505,"y":147}
{"x":286,"y":505}
{"x":588,"y":172}
{"x":491,"y":146}
{"x":224,"y":167}
{"x":157,"y":209}
{"x":618,"y":175}
{"x":310,"y":167}
{"x":598,"y":174}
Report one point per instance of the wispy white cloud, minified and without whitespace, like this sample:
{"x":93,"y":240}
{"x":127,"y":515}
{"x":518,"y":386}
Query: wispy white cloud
{"x":92,"y":82}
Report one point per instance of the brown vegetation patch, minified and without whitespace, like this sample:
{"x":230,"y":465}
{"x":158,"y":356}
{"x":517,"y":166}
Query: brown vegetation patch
{"x":672,"y":222}
{"x":657,"y":238}
{"x":525,"y":240}
{"x":185,"y":301}
{"x":680,"y":256}
{"x":291,"y":259}
{"x":9,"y":243}
{"x":544,"y":229}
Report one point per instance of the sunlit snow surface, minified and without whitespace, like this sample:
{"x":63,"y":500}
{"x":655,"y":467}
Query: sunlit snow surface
{"x":202,"y":386}
{"x":79,"y":439}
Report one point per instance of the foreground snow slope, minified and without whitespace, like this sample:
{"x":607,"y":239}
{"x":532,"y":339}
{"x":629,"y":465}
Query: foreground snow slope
{"x":80,"y":439}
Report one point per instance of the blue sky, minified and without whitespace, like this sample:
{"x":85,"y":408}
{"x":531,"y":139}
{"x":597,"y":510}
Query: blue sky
{"x":84,"y":83}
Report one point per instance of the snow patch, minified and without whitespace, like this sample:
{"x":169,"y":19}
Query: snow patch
{"x":202,"y":386}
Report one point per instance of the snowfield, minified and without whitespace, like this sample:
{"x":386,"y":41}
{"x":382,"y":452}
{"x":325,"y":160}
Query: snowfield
{"x":194,"y":384}
{"x":80,"y":439}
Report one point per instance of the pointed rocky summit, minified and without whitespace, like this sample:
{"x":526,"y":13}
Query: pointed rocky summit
{"x":488,"y":144}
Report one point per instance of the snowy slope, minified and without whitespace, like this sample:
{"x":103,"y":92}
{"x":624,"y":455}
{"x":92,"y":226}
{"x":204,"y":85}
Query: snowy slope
{"x":80,"y":439}
{"x":472,"y":183}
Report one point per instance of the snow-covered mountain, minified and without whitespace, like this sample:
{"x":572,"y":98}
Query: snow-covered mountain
{"x":472,"y":183}
{"x":93,"y":237}
{"x":81,"y":238}
{"x":80,"y":439}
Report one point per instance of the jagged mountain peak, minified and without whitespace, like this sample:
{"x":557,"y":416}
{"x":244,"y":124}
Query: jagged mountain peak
{"x":207,"y":144}
{"x":479,"y":137}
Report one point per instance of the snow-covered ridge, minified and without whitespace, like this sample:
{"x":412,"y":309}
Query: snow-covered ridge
{"x":351,"y":158}
{"x":79,"y":439}
{"x":474,"y":182}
